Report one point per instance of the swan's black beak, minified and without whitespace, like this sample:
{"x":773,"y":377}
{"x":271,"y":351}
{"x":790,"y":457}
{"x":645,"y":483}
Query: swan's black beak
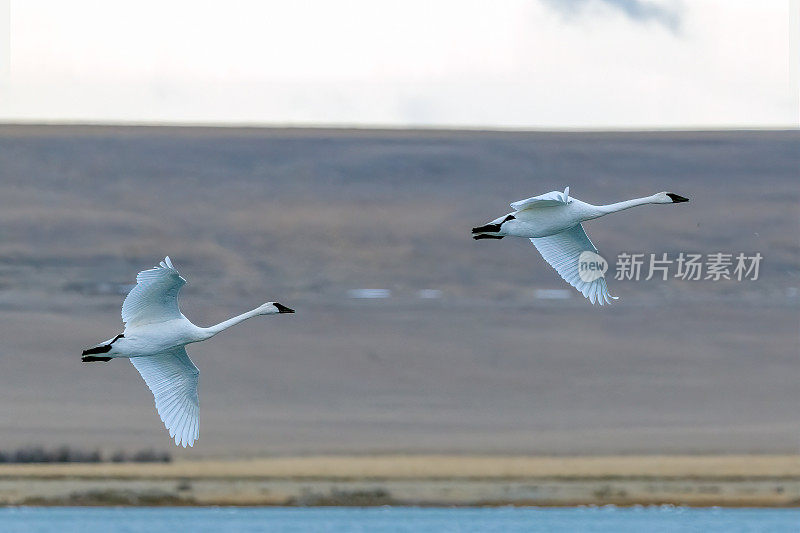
{"x":677,"y":198}
{"x":282,"y":308}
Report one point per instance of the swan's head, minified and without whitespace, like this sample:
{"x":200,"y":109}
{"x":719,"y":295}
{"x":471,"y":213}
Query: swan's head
{"x":669,"y":198}
{"x":274,"y":308}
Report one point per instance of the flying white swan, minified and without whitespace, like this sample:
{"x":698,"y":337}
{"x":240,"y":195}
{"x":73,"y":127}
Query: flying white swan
{"x":552,"y":222}
{"x":155,"y":338}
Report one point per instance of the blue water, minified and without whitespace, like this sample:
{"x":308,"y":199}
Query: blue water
{"x":396,"y":519}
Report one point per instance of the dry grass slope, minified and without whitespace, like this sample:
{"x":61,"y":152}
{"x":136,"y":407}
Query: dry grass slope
{"x":301,"y":216}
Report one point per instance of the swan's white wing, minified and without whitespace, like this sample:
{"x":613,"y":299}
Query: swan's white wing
{"x":562,"y":251}
{"x":155,"y":296}
{"x":548,"y":199}
{"x":172,"y":378}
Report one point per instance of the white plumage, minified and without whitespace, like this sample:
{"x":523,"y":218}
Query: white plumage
{"x":548,"y":199}
{"x":155,"y":338}
{"x":172,"y":378}
{"x":562,"y":251}
{"x":155,"y":296}
{"x":552,"y":221}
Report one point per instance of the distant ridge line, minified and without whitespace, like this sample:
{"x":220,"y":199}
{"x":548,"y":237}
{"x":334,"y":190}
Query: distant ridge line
{"x":305,"y":129}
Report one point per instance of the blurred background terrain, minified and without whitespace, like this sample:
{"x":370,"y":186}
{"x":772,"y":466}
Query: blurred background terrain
{"x":480,"y":361}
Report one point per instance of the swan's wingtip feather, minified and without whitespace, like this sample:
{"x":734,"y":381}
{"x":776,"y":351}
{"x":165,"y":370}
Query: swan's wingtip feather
{"x":166,"y":263}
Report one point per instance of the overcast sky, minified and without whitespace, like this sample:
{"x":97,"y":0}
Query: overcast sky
{"x":510,"y":63}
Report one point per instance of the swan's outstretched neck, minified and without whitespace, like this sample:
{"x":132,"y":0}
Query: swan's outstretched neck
{"x":621,"y":206}
{"x":222,"y":326}
{"x":270,"y":308}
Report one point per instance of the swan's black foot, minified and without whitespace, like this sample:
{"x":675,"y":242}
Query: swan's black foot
{"x":488,"y":228}
{"x":94,"y":359}
{"x":97,"y":349}
{"x":484,"y":236}
{"x":103,"y":348}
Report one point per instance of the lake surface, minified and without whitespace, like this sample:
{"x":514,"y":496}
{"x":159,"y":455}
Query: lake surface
{"x":397,"y":519}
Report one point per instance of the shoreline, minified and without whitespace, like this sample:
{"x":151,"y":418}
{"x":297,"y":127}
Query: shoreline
{"x":416,"y":480}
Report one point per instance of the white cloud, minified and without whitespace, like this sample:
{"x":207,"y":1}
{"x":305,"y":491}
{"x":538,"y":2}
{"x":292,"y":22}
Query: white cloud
{"x":516,"y":63}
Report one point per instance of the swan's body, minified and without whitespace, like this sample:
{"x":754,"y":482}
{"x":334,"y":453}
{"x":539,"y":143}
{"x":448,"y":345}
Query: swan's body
{"x":552,"y":222}
{"x":155,"y":336}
